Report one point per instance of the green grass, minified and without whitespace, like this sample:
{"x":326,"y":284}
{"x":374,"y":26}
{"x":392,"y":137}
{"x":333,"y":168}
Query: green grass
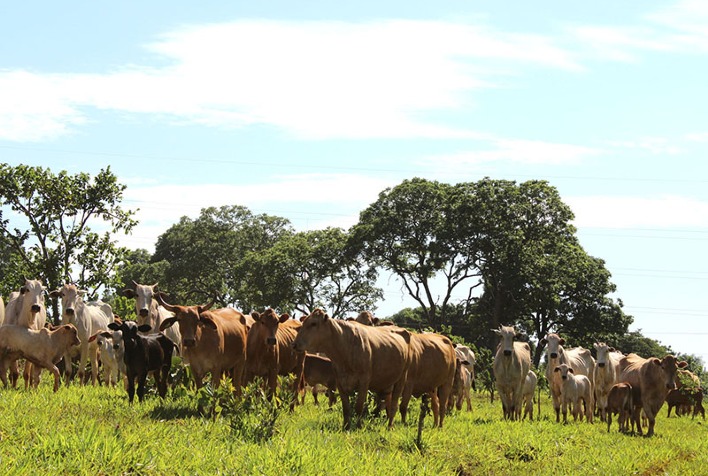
{"x":93,"y":430}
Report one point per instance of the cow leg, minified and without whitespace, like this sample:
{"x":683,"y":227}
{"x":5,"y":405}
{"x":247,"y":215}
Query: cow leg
{"x":361,"y":395}
{"x":93,"y":355}
{"x":405,"y":400}
{"x":435,"y":407}
{"x":564,"y":410}
{"x":142,"y":378}
{"x":346,"y":408}
{"x":131,"y":386}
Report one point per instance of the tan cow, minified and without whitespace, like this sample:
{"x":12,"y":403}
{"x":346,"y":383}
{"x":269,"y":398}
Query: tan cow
{"x":43,"y":347}
{"x":270,"y":350}
{"x":577,"y":358}
{"x":431,"y":372}
{"x":364,"y":358}
{"x":654,"y":378}
{"x":620,"y":401}
{"x":606,"y":374}
{"x":212,"y":341}
{"x":318,"y":372}
{"x":527,"y":393}
{"x":512,"y":363}
{"x":574,"y":389}
{"x":27,"y":309}
{"x":2,"y":311}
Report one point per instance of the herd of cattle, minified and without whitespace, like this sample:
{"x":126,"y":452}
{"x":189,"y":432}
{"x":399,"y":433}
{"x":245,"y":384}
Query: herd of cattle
{"x":354,"y":356}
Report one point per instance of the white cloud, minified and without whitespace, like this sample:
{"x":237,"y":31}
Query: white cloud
{"x":665,"y":211}
{"x":654,"y":145}
{"x":311,"y":79}
{"x":519,"y":151}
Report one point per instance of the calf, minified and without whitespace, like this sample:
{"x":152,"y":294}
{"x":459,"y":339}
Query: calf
{"x":527,"y":392}
{"x":681,"y":398}
{"x":465,"y":354}
{"x":110,"y":347}
{"x":43,"y":347}
{"x":143,"y":354}
{"x":461,"y":385}
{"x":318,"y":371}
{"x":620,"y":400}
{"x":575,"y":388}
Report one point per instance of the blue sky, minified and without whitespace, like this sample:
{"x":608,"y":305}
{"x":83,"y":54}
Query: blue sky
{"x":308,"y":110}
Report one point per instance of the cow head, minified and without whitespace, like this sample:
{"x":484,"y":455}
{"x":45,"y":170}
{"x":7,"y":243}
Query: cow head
{"x":71,"y":299}
{"x":670,"y":366}
{"x":507,"y":334}
{"x":366,"y":318}
{"x":602,"y":352}
{"x":313,"y":333}
{"x":129,"y":331}
{"x":143,"y":295}
{"x":190,"y":319}
{"x":555,"y":343}
{"x":564,"y":370}
{"x":32,"y":293}
{"x":267,"y":324}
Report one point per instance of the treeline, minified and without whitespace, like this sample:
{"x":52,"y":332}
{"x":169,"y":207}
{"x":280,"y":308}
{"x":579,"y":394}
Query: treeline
{"x":509,"y":247}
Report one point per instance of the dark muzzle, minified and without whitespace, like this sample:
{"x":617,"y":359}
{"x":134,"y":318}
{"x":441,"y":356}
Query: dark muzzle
{"x":189,"y":342}
{"x":116,"y":346}
{"x":35,"y":308}
{"x":601,"y":364}
{"x":507,"y":353}
{"x":271,"y":341}
{"x":143,"y":313}
{"x":564,"y":377}
{"x":70,"y":311}
{"x":554,"y":355}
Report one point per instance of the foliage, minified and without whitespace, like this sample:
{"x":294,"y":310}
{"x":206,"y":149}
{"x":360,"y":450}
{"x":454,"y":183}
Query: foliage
{"x":311,"y":269}
{"x":51,"y":229}
{"x":206,"y":256}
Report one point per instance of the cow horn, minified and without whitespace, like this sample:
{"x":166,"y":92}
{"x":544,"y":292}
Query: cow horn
{"x":134,"y":283}
{"x":162,"y":302}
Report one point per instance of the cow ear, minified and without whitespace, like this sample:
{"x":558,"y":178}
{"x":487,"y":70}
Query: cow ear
{"x":543,"y":341}
{"x":167,"y":323}
{"x":571,"y":371}
{"x":557,"y":369}
{"x":83,"y":292}
{"x":55,"y":294}
{"x":129,"y":293}
{"x":496,"y":331}
{"x":304,"y":317}
{"x":611,"y":349}
{"x":326,"y":316}
{"x":283,"y":318}
{"x":682,"y":364}
{"x":207,"y":321}
{"x":93,"y":337}
{"x":562,"y":341}
{"x":114,"y":326}
{"x":145,"y":328}
{"x":256,"y":316}
{"x":596,"y":346}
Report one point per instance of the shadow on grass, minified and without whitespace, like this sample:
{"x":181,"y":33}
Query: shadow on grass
{"x":174,"y":411}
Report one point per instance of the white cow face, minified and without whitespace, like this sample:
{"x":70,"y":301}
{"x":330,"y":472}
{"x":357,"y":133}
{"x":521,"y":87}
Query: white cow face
{"x":71,"y":297}
{"x":554,"y":349}
{"x":507,"y":334}
{"x":603,"y":354}
{"x":143,"y":294}
{"x":565,"y":371}
{"x":33,"y":295}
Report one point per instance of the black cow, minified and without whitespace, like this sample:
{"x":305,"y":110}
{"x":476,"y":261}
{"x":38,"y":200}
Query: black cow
{"x":143,"y":354}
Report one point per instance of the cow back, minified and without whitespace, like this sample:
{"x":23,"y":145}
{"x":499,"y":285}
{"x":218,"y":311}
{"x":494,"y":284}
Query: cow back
{"x":433,"y":361}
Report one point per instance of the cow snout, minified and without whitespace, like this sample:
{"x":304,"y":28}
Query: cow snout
{"x":188,"y":342}
{"x":554,"y":355}
{"x":116,"y":346}
{"x":600,"y":364}
{"x":564,"y":377}
{"x":70,"y":311}
{"x":270,"y":341}
{"x":35,"y":308}
{"x":507,"y":353}
{"x":143,"y":312}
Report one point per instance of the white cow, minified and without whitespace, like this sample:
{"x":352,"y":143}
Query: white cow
{"x":112,"y":351}
{"x":150,"y":312}
{"x":575,"y":388}
{"x":466,"y":355}
{"x":88,"y":319}
{"x":26,"y":308}
{"x":606,"y":374}
{"x":511,"y":364}
{"x":577,"y":358}
{"x":527,"y":393}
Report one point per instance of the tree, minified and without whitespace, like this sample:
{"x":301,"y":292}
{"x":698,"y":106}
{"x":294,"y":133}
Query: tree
{"x":313,"y":269}
{"x":406,"y":231}
{"x":206,"y":256}
{"x":50,"y":230}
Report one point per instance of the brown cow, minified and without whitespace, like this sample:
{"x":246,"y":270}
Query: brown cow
{"x":270,"y":352}
{"x":318,"y":371}
{"x":212,"y":341}
{"x":431,"y":372}
{"x":620,"y":401}
{"x":689,"y":399}
{"x":654,"y":378}
{"x":364,"y":358}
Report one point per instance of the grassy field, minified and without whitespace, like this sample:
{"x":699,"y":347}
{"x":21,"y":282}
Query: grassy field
{"x":93,"y":430}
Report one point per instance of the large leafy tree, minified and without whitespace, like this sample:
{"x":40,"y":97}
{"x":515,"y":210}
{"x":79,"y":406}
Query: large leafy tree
{"x":206,"y":256}
{"x":407,"y":232}
{"x":60,"y":226}
{"x":311,"y":269}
